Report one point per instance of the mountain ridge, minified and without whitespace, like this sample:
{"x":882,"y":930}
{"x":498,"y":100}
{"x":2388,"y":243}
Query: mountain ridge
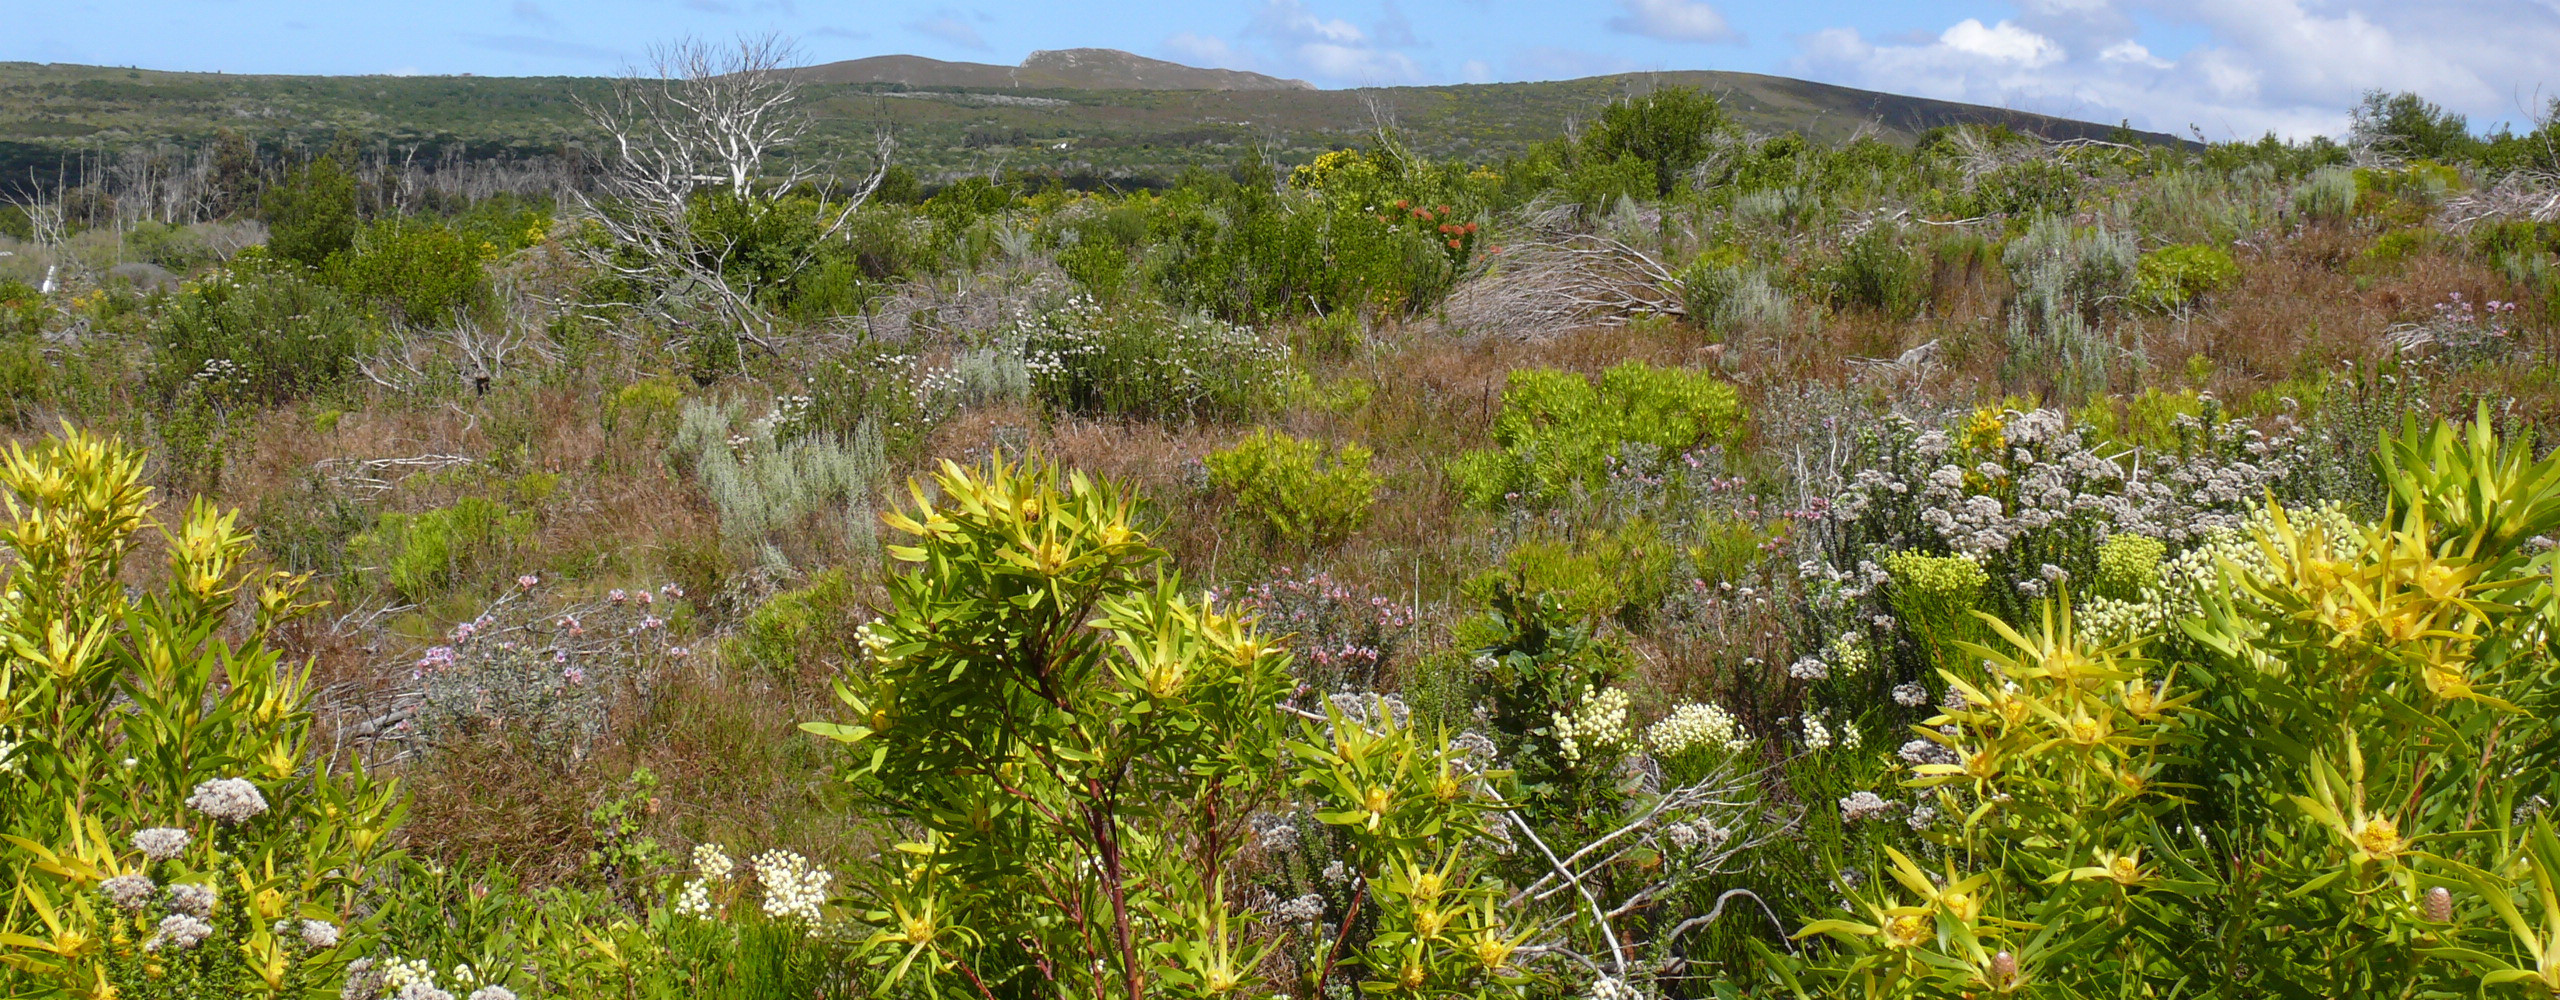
{"x":1047,"y":69}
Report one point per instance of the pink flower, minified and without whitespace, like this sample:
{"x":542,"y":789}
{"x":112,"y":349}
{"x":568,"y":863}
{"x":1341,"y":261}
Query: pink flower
{"x":645,"y":597}
{"x":616,"y":595}
{"x":574,"y":675}
{"x":527,"y":581}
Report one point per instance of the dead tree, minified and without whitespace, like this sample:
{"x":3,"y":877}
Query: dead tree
{"x":707,"y":122}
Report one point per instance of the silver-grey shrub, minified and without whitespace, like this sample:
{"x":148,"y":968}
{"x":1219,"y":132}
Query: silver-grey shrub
{"x":2067,"y":280}
{"x":777,"y":496}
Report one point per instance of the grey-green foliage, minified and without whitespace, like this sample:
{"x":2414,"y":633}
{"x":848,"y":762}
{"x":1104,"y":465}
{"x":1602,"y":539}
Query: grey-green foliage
{"x":1738,"y":296}
{"x":2198,"y":205}
{"x":989,"y":375}
{"x":781,"y":500}
{"x":2067,"y":280}
{"x":2328,"y":195}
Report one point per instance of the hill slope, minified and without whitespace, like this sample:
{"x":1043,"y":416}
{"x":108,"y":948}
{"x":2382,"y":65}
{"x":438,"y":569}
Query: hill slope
{"x":1105,"y":127}
{"x":1050,"y":69}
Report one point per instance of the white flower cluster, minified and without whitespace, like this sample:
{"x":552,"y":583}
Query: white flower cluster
{"x":2045,"y":475}
{"x":191,"y":899}
{"x":128,"y":892}
{"x":1608,"y":988}
{"x":1695,"y":832}
{"x":793,"y":888}
{"x":1819,"y":736}
{"x":1848,"y":654}
{"x":231,"y":800}
{"x":319,"y":935}
{"x":1306,"y":909}
{"x":179,"y":930}
{"x":712,"y":866}
{"x":160,"y":843}
{"x":1861,"y":806}
{"x":1911,"y":694}
{"x":874,"y":645}
{"x":1696,"y":724}
{"x":1809,"y":668}
{"x":402,"y":975}
{"x":1598,"y":724}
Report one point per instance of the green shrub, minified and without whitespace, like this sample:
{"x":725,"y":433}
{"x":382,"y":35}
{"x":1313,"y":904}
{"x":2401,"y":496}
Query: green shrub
{"x":1134,"y":360}
{"x":2394,"y":248}
{"x":1292,"y":489}
{"x":421,"y":556}
{"x":1668,"y":132}
{"x":1558,"y":430}
{"x":426,"y":272}
{"x":257,"y":334}
{"x":1617,"y":574}
{"x":177,"y":248}
{"x":1935,"y":596}
{"x":796,"y":628}
{"x":1876,"y":272}
{"x":2171,"y":278}
{"x":312,"y":213}
{"x":645,"y":410}
{"x":22,"y":310}
{"x":2128,"y":564}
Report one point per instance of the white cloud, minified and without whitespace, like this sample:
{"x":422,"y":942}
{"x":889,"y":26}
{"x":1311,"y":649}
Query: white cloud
{"x":2003,"y":42}
{"x":2291,"y":66}
{"x":1674,"y":21}
{"x":1330,"y":48}
{"x":1476,"y":71}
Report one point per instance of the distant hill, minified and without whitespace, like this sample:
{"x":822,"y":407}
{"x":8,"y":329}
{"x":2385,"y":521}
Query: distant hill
{"x":1124,"y":119}
{"x":1049,"y":69}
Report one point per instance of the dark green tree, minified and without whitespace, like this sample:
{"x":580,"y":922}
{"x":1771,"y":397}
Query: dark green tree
{"x":1669,"y":129}
{"x":313,"y":213}
{"x":2410,"y":125}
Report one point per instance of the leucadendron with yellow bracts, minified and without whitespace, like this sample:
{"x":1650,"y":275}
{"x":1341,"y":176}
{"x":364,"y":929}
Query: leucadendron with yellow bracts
{"x":2328,"y":783}
{"x":172,"y":834}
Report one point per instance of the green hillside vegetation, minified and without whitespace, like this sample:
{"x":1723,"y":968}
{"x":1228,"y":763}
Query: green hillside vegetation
{"x":50,"y":112}
{"x":1666,"y":557}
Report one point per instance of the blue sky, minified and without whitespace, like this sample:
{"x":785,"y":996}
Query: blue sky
{"x":2233,"y":68}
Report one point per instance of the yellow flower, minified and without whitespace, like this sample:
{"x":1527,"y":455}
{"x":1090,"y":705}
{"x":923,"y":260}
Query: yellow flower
{"x":1907,"y":928}
{"x":2377,"y":838}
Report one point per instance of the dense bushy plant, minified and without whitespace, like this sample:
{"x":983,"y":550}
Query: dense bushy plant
{"x":428,"y":273}
{"x":1293,"y":488}
{"x":419,"y":556}
{"x":1669,"y":131}
{"x":311,"y":215}
{"x":257,"y":335}
{"x":2176,"y":277}
{"x":173,"y":834}
{"x":2356,"y":754}
{"x":1141,"y":362}
{"x":1040,"y":707}
{"x":1558,"y":430}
